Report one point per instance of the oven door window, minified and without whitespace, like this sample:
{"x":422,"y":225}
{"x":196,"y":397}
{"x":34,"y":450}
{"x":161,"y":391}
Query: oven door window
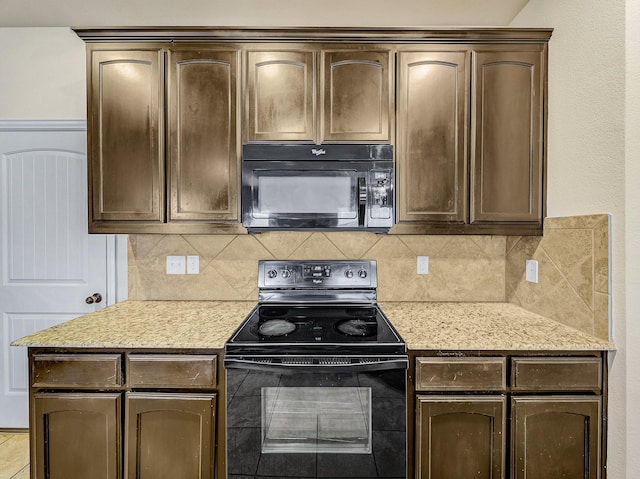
{"x":316,"y":419}
{"x":296,"y":194}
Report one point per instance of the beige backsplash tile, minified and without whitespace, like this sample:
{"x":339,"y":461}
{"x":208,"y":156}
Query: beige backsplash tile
{"x":573,"y":270}
{"x":462,"y":268}
{"x":572,"y":256}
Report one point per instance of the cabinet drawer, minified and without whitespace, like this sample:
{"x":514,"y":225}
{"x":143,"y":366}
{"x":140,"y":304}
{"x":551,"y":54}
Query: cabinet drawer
{"x":76,"y":370}
{"x":171,"y":371}
{"x":556,"y":374}
{"x":455,"y":374}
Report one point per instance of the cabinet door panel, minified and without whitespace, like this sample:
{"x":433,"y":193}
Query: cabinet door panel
{"x":78,"y":435}
{"x":356,"y":99}
{"x":125,"y":135}
{"x":281,"y":95}
{"x":460,"y":437}
{"x":170,"y":435}
{"x":556,"y":437}
{"x":432,"y":136}
{"x":507,"y":136}
{"x":202,"y":94}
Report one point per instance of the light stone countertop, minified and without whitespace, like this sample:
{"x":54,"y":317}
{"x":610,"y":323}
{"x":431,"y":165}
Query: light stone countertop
{"x":484,"y":327}
{"x":148,"y":324}
{"x":208,"y":324}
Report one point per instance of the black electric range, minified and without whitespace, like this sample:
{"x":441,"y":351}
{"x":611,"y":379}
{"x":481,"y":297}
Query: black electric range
{"x":316,"y":378}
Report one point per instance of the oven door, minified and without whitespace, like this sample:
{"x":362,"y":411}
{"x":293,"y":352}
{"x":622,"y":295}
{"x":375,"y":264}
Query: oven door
{"x":310,"y":417}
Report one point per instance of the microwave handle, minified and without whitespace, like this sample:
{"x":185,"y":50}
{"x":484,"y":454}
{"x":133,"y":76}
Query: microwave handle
{"x":362,"y":200}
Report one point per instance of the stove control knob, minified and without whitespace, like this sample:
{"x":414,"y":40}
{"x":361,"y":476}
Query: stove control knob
{"x":349,"y":273}
{"x":362,"y":273}
{"x":272,"y":273}
{"x":286,"y":273}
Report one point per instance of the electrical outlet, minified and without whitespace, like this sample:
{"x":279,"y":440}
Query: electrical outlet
{"x":423,"y":265}
{"x":176,"y":264}
{"x":531,"y":268}
{"x":193,"y":264}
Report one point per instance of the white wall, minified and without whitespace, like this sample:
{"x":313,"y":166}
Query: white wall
{"x":586,"y":159}
{"x":42,"y":74}
{"x":632,"y":229}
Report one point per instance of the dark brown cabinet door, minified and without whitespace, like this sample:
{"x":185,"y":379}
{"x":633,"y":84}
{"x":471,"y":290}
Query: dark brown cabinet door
{"x":556,"y":437}
{"x":431,"y":154}
{"x":507,"y":130}
{"x":170,"y":435}
{"x":77,"y":435}
{"x":356,"y":100}
{"x":125,"y":135}
{"x":459,"y":437}
{"x":281,"y":95}
{"x":203,"y":126}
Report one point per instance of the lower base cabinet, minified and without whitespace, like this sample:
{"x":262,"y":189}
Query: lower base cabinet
{"x":460,"y":437}
{"x":557,"y":436}
{"x":126,"y":415}
{"x":169,"y":436}
{"x":78,"y":435}
{"x":538,"y":417}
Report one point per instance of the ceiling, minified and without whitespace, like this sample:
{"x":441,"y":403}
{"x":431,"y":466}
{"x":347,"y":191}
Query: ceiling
{"x":64,"y":13}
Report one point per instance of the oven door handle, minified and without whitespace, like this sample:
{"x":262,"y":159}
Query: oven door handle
{"x":317,"y":364}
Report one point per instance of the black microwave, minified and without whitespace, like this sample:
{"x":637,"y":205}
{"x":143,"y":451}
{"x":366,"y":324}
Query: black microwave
{"x":317,"y":187}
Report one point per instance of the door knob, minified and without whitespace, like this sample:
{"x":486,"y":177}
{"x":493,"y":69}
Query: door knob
{"x":94,"y":298}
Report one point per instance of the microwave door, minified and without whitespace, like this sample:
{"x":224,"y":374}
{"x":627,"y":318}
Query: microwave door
{"x":306,"y":199}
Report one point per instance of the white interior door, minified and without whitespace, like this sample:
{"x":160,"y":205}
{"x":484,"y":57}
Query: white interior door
{"x":49,"y":263}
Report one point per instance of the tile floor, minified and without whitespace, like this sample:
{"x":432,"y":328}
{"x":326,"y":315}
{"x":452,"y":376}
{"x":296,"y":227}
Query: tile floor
{"x":14,"y":456}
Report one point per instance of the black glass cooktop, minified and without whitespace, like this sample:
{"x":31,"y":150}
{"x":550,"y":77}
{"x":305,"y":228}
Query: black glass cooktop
{"x":306,"y":328}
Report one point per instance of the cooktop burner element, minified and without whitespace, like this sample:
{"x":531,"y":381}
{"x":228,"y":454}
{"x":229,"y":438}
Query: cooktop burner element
{"x":357,"y":327}
{"x":317,"y":307}
{"x":276,"y":327}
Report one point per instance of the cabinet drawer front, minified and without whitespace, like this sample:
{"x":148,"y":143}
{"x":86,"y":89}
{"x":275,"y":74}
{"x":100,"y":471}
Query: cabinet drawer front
{"x":77,"y":370}
{"x":556,"y":374}
{"x":171,"y":371}
{"x":471,"y":374}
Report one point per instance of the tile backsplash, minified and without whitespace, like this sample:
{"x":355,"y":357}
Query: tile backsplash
{"x":572,"y":256}
{"x":573,"y":267}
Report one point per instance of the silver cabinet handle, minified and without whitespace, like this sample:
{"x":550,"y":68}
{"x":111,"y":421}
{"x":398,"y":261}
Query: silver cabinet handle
{"x":94,"y":298}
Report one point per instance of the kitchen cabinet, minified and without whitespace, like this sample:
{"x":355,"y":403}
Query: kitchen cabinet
{"x":432,"y":146}
{"x":478,"y":166}
{"x":125,"y":137}
{"x":169,"y":435}
{"x":163,"y":153}
{"x":77,"y":434}
{"x":464,"y":108}
{"x":202,"y":125}
{"x":281,"y":95}
{"x":163,"y":421}
{"x":472,"y":418}
{"x":556,"y":436}
{"x":507,"y":135}
{"x":319,"y":94}
{"x":460,"y":436}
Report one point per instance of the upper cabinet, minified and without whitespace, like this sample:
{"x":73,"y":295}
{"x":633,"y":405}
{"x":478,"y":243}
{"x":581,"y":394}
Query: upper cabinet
{"x":163,"y":139}
{"x":470,"y":143}
{"x":431,"y":153}
{"x":168,"y":111}
{"x":356,"y":99}
{"x":281,"y":99}
{"x":506,"y":141}
{"x":318,"y":95}
{"x":126,"y":140}
{"x":202,"y":142}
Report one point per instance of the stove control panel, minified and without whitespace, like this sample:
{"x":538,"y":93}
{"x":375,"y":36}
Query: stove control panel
{"x":317,"y":274}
